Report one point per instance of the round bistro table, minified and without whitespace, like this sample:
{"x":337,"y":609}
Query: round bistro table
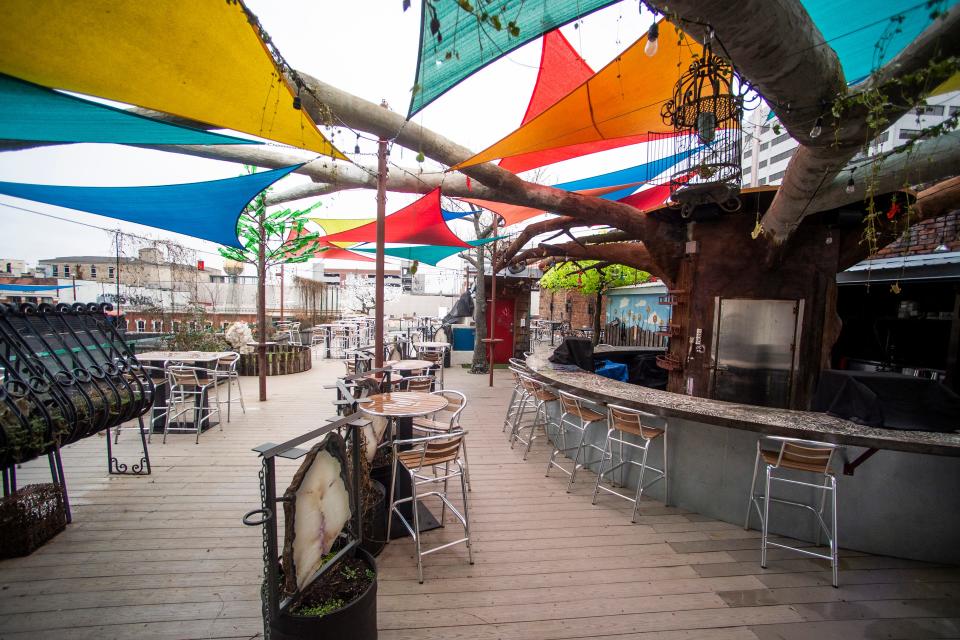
{"x":401,"y":407}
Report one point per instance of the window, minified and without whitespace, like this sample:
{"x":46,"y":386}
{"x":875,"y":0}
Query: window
{"x":883,"y":137}
{"x":764,"y":146}
{"x":176,"y":326}
{"x":783,"y":156}
{"x":909,"y":134}
{"x":111,"y":272}
{"x":224,"y":325}
{"x":141,"y":326}
{"x":954,"y":111}
{"x":776,"y":176}
{"x":56,"y":271}
{"x":126,"y":324}
{"x":748,"y":153}
{"x":780,"y":138}
{"x":762,"y":164}
{"x":157,"y":326}
{"x":930,"y":110}
{"x":66,"y":271}
{"x":9,"y":268}
{"x":93,"y":271}
{"x":747,"y":170}
{"x":762,"y":181}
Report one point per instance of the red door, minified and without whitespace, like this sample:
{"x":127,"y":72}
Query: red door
{"x":502,"y":328}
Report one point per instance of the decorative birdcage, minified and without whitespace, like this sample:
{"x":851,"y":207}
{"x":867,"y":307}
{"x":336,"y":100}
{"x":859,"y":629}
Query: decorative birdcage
{"x":704,"y":113}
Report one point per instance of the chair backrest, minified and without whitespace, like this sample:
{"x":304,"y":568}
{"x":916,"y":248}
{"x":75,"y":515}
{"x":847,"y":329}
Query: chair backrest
{"x":228,"y":362}
{"x":437,"y":451}
{"x":180,"y":376}
{"x":530,"y":385}
{"x":631,"y":421}
{"x":456,"y":403}
{"x":516,"y":362}
{"x":435,"y":357}
{"x":811,"y":455}
{"x":351,"y":366}
{"x":572,"y":404}
{"x":418,"y":383}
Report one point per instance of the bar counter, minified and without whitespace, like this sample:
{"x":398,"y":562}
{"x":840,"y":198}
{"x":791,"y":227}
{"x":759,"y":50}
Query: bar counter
{"x":904,"y":501}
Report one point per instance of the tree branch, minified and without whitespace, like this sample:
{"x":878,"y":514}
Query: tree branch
{"x":630,"y":254}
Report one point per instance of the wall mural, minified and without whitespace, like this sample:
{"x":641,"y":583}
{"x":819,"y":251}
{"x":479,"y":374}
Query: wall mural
{"x":638,"y":310}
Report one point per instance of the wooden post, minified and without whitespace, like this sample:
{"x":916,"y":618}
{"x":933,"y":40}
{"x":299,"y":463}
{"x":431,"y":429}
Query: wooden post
{"x":381,"y":235}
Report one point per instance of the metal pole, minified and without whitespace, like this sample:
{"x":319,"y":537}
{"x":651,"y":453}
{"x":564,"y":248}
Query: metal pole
{"x":381,"y":235}
{"x":262,"y":304}
{"x":281,"y":291}
{"x":493,"y":294}
{"x":118,"y":279}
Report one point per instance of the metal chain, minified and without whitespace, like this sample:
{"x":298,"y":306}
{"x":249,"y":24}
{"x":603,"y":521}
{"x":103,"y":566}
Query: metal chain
{"x":265,"y":588}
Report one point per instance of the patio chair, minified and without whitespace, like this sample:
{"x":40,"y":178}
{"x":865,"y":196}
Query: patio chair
{"x":536,"y":396}
{"x":418,"y":383}
{"x":447,"y":420}
{"x":788,"y":459}
{"x":435,"y":453}
{"x":434,"y":356}
{"x":623,"y":426}
{"x":579,"y":418}
{"x":340,"y":342}
{"x":226,"y":370}
{"x":318,"y":340}
{"x":516,"y":368}
{"x":188,"y":388}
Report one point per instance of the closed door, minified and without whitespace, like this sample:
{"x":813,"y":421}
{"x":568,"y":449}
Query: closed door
{"x":502,"y":328}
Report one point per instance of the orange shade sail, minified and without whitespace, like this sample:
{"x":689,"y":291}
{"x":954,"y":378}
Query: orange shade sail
{"x":623,"y":99}
{"x":561,"y":71}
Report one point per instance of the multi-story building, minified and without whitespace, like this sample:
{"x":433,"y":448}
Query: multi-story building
{"x":149,"y":269}
{"x":767,"y":148}
{"x":13,"y":267}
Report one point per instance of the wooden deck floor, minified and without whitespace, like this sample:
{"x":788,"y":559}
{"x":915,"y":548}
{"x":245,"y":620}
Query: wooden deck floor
{"x":165,"y":556}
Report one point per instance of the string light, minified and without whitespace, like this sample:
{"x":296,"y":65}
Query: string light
{"x":653,"y":38}
{"x":851,"y":187}
{"x":817,"y":128}
{"x":356,"y":147}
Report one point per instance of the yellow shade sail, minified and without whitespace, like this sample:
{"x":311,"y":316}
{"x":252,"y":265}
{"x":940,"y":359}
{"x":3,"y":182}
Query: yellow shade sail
{"x":622,"y":99}
{"x":330,"y":226}
{"x":200,"y":60}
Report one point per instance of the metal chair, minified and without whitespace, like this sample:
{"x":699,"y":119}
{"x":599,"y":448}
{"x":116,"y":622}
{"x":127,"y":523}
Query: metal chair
{"x":418,"y":383}
{"x":536,"y":396}
{"x":186,"y":387}
{"x":447,"y":420}
{"x":226,"y":370}
{"x":318,"y":338}
{"x":623,"y":422}
{"x":430,"y":452}
{"x":579,"y":418}
{"x":795,"y":456}
{"x":436,"y":358}
{"x":340,"y":342}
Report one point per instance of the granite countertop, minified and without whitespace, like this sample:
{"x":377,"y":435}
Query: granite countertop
{"x":781,"y":422}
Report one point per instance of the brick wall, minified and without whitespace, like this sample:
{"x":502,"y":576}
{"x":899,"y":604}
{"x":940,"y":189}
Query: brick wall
{"x":926,"y":236}
{"x":580,"y":312}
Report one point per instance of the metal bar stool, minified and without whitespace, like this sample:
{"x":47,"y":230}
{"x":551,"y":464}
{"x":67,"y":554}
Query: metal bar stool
{"x":579,"y":418}
{"x":536,"y":396}
{"x":418,"y":383}
{"x":623,"y":422}
{"x":226,"y":369}
{"x":436,"y":452}
{"x":447,"y":420}
{"x":187,"y":388}
{"x":803,"y":456}
{"x":435,"y":357}
{"x":516,"y":368}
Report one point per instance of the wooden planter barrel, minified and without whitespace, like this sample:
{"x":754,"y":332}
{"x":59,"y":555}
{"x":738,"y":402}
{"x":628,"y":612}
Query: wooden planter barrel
{"x":282,"y":359}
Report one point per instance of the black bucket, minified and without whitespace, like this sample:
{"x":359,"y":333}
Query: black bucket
{"x":375,"y":523}
{"x":357,"y":620}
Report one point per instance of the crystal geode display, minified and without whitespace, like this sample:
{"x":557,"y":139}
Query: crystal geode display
{"x":316,"y":507}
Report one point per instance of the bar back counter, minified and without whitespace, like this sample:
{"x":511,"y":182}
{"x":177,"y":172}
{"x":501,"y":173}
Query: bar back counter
{"x":899,"y":491}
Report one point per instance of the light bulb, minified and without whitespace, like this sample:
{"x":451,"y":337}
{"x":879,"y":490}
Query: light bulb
{"x":653,"y":38}
{"x":706,"y":126}
{"x":817,"y":128}
{"x":851,"y":187}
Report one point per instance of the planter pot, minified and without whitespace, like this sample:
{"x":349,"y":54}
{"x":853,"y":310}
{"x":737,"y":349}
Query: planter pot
{"x":375,"y":523}
{"x":356,"y":621}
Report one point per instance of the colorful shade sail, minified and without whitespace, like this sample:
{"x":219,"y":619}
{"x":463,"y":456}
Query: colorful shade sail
{"x":35,"y":113}
{"x":455,"y":215}
{"x":204,"y":62}
{"x":512,"y":213}
{"x":464,"y":44}
{"x":205,"y":210}
{"x":427,"y":254}
{"x":330,"y":226}
{"x":418,"y":223}
{"x":648,"y":198}
{"x":606,"y":106}
{"x":33,"y":288}
{"x":854,"y":32}
{"x":561,"y":71}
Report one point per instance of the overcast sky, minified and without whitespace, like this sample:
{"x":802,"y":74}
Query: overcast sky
{"x":366,"y":47}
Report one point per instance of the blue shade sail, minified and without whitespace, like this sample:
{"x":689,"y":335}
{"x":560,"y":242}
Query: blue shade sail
{"x":35,"y":113}
{"x":864,"y":35}
{"x":639,"y":173}
{"x":427,"y":254}
{"x":455,"y":215}
{"x":205,"y":210}
{"x":32,"y":288}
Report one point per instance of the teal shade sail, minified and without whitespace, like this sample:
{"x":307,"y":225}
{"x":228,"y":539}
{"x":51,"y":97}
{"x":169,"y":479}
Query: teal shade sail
{"x":427,"y":254}
{"x":33,"y":113}
{"x":466,"y":44}
{"x":205,"y":210}
{"x":868,"y":35}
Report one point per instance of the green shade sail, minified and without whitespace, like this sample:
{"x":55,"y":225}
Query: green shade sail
{"x":33,"y":113}
{"x":427,"y":254}
{"x":464,"y":43}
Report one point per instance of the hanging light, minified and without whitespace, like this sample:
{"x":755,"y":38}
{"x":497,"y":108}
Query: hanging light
{"x":653,"y":37}
{"x":706,"y":126}
{"x":851,"y":187}
{"x":356,"y":148}
{"x":817,"y":128}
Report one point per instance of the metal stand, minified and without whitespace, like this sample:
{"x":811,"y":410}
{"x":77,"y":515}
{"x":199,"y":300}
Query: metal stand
{"x":115,"y":467}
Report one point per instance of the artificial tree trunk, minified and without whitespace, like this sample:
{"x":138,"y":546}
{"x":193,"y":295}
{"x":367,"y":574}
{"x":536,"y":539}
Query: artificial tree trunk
{"x":597,"y":314}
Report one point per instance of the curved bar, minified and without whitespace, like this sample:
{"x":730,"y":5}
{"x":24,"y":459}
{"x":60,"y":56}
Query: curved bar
{"x":901,"y":502}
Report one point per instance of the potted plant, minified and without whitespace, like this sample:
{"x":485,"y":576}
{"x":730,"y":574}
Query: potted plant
{"x":330,"y":590}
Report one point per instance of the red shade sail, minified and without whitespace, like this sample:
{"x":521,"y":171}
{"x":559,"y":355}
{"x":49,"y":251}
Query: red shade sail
{"x":561,"y":71}
{"x":418,"y":223}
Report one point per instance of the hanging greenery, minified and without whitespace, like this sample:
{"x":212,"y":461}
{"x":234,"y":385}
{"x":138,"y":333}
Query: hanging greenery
{"x":591,"y":276}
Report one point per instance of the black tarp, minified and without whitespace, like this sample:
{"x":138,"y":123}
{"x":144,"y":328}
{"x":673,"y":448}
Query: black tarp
{"x":463,"y":308}
{"x":575,"y":351}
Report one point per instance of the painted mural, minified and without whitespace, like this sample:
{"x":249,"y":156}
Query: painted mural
{"x":638,"y":307}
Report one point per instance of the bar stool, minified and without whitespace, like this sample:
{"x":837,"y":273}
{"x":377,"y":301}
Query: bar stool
{"x":447,"y":420}
{"x":802,"y":456}
{"x":436,"y":358}
{"x":186,"y":387}
{"x":226,"y":369}
{"x":434,"y":452}
{"x":621,"y":422}
{"x":418,"y":383}
{"x":516,"y":368}
{"x":579,"y":418}
{"x":536,"y":396}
